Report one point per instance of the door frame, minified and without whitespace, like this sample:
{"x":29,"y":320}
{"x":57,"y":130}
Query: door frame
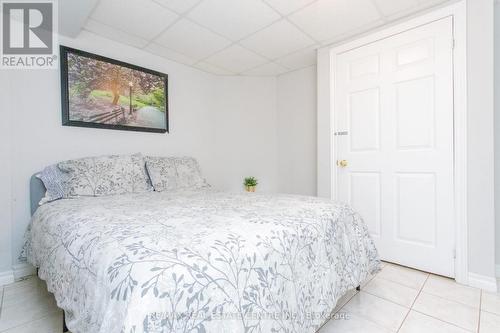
{"x":327,"y":57}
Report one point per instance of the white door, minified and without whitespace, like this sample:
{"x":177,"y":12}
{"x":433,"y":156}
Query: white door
{"x":394,"y":128}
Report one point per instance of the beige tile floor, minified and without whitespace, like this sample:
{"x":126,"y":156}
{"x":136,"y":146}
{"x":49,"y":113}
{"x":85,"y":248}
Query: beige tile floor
{"x":398,"y":299}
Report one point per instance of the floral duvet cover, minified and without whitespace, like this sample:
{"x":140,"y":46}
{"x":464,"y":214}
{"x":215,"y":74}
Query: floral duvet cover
{"x":200,"y":261}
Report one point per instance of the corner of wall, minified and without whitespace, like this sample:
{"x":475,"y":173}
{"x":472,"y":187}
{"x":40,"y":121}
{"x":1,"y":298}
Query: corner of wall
{"x":6,"y":180}
{"x":6,"y":277}
{"x":497,"y":132}
{"x":483,"y":282}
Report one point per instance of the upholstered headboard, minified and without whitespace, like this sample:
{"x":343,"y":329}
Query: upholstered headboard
{"x":37,"y":192}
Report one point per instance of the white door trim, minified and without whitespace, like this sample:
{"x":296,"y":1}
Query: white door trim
{"x":326,"y":156}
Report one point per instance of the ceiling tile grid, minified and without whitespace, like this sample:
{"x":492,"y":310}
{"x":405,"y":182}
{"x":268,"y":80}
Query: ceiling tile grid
{"x":325,"y":19}
{"x":390,"y":7}
{"x":285,"y":7}
{"x":140,"y":18}
{"x":277,"y":40}
{"x":104,"y":30}
{"x":165,"y":52}
{"x":268,"y":69}
{"x":192,"y":40}
{"x":236,"y":59}
{"x":234,"y":19}
{"x":205,"y":66}
{"x":243,"y":37}
{"x":178,"y":6}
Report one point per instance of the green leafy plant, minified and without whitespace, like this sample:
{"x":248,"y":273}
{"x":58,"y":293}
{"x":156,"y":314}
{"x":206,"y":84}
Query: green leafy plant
{"x":250,"y":181}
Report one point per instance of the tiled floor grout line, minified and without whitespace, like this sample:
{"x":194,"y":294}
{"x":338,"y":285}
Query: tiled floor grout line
{"x":426,"y":314}
{"x":430,"y":293}
{"x":350,"y":298}
{"x":359,"y":292}
{"x":413,"y":303}
{"x":480,"y":306}
{"x":450,"y":300}
{"x":1,"y":300}
{"x":375,"y":276}
{"x":369,"y":280}
{"x":385,"y":299}
{"x":332,"y":313}
{"x":441,"y":320}
{"x":404,"y":285}
{"x":22,"y":324}
{"x":492,"y":313}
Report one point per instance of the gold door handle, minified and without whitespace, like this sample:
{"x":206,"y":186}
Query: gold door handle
{"x":342,"y":163}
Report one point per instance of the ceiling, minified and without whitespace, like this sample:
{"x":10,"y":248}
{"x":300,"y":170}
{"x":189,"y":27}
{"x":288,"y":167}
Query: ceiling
{"x":240,"y":37}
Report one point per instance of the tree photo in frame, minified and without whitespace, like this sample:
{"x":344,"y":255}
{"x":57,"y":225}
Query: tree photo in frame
{"x":101,"y":92}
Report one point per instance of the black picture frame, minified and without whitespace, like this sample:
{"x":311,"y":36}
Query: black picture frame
{"x":65,"y":96}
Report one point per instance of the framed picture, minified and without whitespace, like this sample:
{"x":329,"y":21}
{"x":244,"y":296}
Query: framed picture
{"x":104,"y":93}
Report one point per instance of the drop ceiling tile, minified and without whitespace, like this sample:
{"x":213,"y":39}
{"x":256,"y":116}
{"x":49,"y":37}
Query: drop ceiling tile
{"x":169,"y":54}
{"x":432,"y":2}
{"x":144,"y":18}
{"x":325,"y":19}
{"x":269,"y":69}
{"x":178,"y":6}
{"x":236,"y":59}
{"x":114,"y":34}
{"x":234,"y":19}
{"x":277,"y":40}
{"x":192,"y":40}
{"x":391,"y":7}
{"x":285,"y":7}
{"x":356,"y":32}
{"x":421,"y":5}
{"x":424,"y":4}
{"x":300,"y":59}
{"x":206,"y":67}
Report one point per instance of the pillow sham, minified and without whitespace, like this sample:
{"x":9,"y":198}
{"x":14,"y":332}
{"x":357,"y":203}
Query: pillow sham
{"x":53,"y":179}
{"x":174,"y":173}
{"x":162,"y":172}
{"x":105,"y":175}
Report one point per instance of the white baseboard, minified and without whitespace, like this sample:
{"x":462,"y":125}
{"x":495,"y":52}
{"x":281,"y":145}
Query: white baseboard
{"x":6,"y":277}
{"x":23,"y":270}
{"x":17,"y":272}
{"x":483,"y":282}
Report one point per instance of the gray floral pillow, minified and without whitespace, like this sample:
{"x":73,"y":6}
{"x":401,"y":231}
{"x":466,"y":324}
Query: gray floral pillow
{"x":174,"y":173}
{"x":162,"y":172}
{"x":105,"y":175}
{"x":54,"y":180}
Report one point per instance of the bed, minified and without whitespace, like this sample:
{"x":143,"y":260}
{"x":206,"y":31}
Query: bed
{"x":198,"y":260}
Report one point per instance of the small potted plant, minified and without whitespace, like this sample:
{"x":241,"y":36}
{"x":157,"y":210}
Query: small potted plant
{"x":250,"y":184}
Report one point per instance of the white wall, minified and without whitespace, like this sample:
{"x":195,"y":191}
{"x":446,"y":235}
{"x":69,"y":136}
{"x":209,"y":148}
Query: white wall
{"x":480,"y":137}
{"x":297,"y":131}
{"x":497,"y":133}
{"x":5,"y":188}
{"x":214,"y":119}
{"x":251,"y":104}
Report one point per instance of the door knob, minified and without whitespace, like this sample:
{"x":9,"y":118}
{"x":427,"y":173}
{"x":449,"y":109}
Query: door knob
{"x":342,"y":163}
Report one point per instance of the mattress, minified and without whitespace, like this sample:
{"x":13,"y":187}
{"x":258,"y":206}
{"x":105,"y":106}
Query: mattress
{"x":199,"y":261}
